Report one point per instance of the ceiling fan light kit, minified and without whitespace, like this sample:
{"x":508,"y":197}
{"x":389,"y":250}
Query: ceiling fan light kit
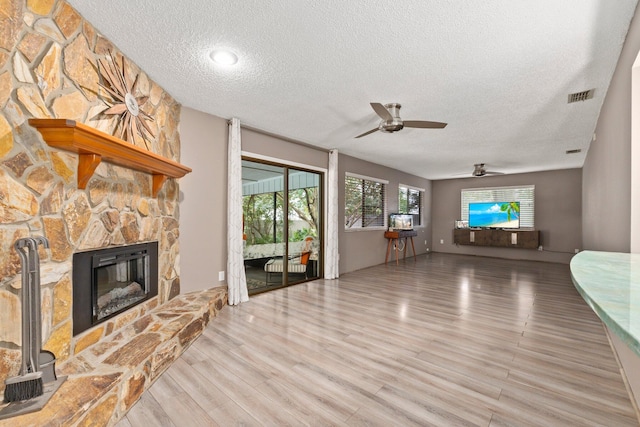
{"x":479,"y":171}
{"x":391,"y":121}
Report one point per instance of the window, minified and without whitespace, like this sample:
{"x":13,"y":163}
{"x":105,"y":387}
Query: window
{"x":410,"y":202}
{"x":364,"y":205}
{"x":523,"y":194}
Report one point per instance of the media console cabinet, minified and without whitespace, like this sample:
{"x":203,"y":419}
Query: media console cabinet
{"x":522,"y":239}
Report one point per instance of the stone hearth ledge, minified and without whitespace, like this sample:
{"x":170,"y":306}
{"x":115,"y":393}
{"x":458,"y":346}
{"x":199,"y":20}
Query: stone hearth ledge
{"x":106,"y":379}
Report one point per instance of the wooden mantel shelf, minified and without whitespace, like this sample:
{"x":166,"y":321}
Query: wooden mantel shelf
{"x":94,"y":146}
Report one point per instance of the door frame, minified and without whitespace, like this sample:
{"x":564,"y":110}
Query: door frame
{"x":259,"y":158}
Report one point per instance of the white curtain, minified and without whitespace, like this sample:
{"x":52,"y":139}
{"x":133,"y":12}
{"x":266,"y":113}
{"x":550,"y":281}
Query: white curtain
{"x":236,"y":279}
{"x":331,"y":265}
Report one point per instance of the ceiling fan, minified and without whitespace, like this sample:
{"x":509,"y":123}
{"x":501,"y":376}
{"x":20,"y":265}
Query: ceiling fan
{"x":479,"y":171}
{"x":391,"y":121}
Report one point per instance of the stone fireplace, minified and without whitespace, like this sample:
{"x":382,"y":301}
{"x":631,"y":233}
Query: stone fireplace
{"x":109,"y":281}
{"x":49,"y":69}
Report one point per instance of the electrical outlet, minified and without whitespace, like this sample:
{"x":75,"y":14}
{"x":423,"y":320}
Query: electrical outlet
{"x":221,"y":276}
{"x":425,"y":242}
{"x":540,"y":248}
{"x":442,"y":241}
{"x":577,"y":250}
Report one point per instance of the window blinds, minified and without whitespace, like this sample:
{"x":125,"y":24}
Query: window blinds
{"x":365,"y":204}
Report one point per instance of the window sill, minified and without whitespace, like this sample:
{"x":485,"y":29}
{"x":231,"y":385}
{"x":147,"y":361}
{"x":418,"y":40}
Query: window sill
{"x":357,"y":230}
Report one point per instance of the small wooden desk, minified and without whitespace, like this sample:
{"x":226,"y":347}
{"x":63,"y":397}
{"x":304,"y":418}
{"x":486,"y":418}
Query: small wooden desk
{"x":394,"y":237}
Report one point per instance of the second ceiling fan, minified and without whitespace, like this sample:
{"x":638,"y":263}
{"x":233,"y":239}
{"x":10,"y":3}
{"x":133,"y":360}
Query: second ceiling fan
{"x":479,"y":171}
{"x":391,"y":121}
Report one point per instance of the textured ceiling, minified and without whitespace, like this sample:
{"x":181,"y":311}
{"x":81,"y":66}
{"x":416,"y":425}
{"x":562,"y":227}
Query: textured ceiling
{"x":497,"y":71}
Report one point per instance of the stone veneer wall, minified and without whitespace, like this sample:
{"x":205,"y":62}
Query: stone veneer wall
{"x":48,"y":68}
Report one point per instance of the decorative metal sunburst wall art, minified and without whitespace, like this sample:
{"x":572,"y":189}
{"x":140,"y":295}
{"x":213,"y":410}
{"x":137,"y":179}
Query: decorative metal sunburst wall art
{"x":132,"y":120}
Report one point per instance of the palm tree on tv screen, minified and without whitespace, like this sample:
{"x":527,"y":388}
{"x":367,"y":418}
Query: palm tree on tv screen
{"x":511,"y":208}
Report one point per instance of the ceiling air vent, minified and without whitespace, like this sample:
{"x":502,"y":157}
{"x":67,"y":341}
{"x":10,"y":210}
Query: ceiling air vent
{"x":581,"y":96}
{"x":576,"y":151}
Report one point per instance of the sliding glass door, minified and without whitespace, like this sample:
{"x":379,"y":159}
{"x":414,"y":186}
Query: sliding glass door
{"x":282,"y":225}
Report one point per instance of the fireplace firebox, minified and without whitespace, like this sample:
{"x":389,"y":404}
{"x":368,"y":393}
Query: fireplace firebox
{"x":111,"y":280}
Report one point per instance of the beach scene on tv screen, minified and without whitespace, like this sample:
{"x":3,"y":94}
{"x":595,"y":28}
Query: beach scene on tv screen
{"x":494,"y":214}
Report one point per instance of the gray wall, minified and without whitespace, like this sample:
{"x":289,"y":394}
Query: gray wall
{"x":606,"y":175}
{"x":203,"y":200}
{"x":364,"y":248}
{"x":558,"y":214}
{"x":606,"y":180}
{"x":279,"y":148}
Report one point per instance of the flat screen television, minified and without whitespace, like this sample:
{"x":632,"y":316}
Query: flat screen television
{"x":399,"y":221}
{"x":494,"y":215}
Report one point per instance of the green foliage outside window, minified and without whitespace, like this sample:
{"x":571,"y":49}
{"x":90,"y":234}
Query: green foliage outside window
{"x":264,"y":213}
{"x":364,"y":203}
{"x":410,"y":202}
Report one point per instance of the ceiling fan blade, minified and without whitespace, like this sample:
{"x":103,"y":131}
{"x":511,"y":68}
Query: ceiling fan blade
{"x":381,"y":111}
{"x":423,"y":124}
{"x":367,"y":133}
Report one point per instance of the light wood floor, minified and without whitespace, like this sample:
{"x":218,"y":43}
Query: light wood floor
{"x":447,"y":341}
